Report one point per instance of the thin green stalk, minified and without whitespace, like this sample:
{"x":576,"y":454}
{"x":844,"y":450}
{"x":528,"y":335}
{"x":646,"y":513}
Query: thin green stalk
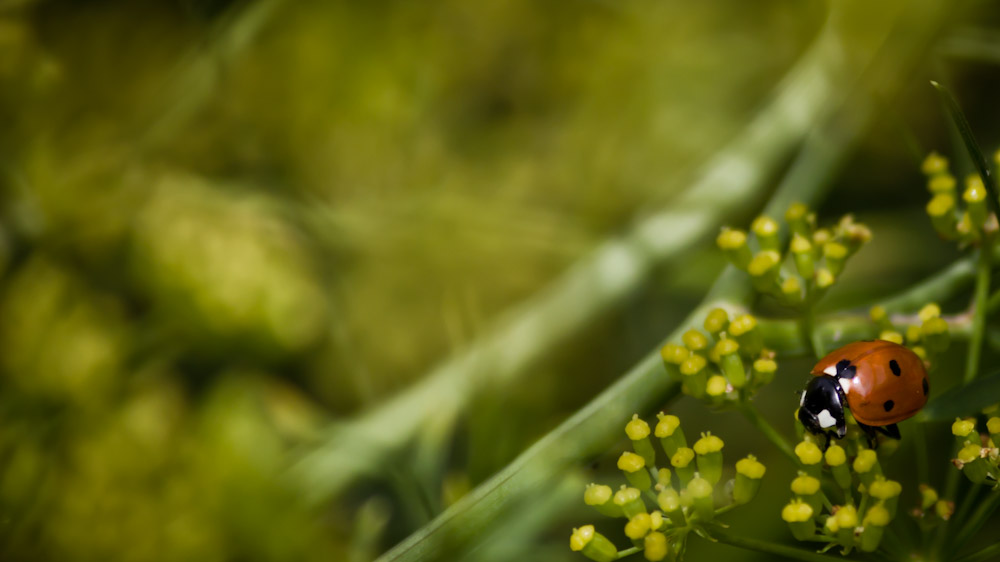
{"x":766,"y":547}
{"x":920,"y":444}
{"x":968,"y":501}
{"x":726,"y":508}
{"x":978,"y":519}
{"x":628,"y":552}
{"x":751,"y":413}
{"x":808,"y":326}
{"x":991,"y":552}
{"x":892,"y":544}
{"x":983,"y":265}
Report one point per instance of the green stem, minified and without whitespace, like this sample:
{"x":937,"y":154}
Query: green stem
{"x":628,"y":552}
{"x":808,"y":327}
{"x":920,"y":443}
{"x":751,"y":413}
{"x":771,"y":548}
{"x":991,"y":552}
{"x":968,"y":501}
{"x":979,"y":312}
{"x":978,"y":519}
{"x":726,"y":508}
{"x":891,"y":543}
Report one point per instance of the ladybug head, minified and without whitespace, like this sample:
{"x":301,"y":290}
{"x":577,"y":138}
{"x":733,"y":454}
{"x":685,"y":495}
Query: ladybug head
{"x":821,"y":408}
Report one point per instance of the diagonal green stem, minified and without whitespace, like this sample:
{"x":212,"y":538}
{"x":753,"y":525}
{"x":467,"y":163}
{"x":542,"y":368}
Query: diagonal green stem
{"x":983,"y":265}
{"x":753,"y":415}
{"x":766,"y":547}
{"x":991,"y":552}
{"x":978,"y":519}
{"x":628,"y":552}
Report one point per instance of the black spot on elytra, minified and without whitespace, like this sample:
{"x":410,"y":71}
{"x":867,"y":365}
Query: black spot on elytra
{"x":888,"y":405}
{"x":925,"y":386}
{"x":845,"y":370}
{"x":895,"y":367}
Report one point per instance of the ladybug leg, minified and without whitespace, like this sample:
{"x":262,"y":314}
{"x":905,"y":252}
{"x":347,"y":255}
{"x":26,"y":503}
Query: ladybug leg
{"x":871,"y":434}
{"x":889,"y":431}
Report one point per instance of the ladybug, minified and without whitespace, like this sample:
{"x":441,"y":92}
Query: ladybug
{"x":882,"y":383}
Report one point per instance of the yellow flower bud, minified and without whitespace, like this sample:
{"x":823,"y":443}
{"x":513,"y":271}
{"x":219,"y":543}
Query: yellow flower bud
{"x":796,"y":512}
{"x":717,"y":385}
{"x":663,"y":476}
{"x":876,"y":515}
{"x":637,"y":428}
{"x":763,"y":370}
{"x":655,"y":520}
{"x":792,"y":289}
{"x":993,"y":425}
{"x":930,"y":310}
{"x":847,"y":517}
{"x":674,"y":354}
{"x":941,"y":184}
{"x":717,"y":320}
{"x":629,"y":499}
{"x":805,"y":485}
{"x":580,"y":537}
{"x":934,"y":164}
{"x":835,"y":455}
{"x":878,"y":313}
{"x":626,"y":495}
{"x":708,"y":444}
{"x":883,"y":489}
{"x":592,"y":544}
{"x":824,"y":278}
{"x":638,"y":526}
{"x":928,"y":496}
{"x":941,"y":210}
{"x":667,"y":424}
{"x":734,"y":244}
{"x":893,"y":336}
{"x":742,"y":324}
{"x":655,"y":547}
{"x":750,"y":467}
{"x":865,"y":461}
{"x":596,"y":494}
{"x":630,"y":462}
{"x":834,"y":250}
{"x":694,"y":340}
{"x":962,"y":428}
{"x":941,"y":205}
{"x":682,"y":457}
{"x":681,"y":461}
{"x":693,"y":365}
{"x":944,"y":509}
{"x":766,"y":230}
{"x":731,"y":239}
{"x":969,"y":453}
{"x":800,"y":245}
{"x":808,"y":453}
{"x":763,"y":262}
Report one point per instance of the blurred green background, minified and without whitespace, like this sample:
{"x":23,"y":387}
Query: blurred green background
{"x":227,"y":226}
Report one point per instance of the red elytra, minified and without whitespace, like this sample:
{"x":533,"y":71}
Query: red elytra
{"x":889,"y":382}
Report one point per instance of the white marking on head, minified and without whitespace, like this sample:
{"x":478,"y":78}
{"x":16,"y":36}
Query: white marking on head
{"x":802,"y":400}
{"x":825,"y":419}
{"x":831,"y":370}
{"x":846,"y":385}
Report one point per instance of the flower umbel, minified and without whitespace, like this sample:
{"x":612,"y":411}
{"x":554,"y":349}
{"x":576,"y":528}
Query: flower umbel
{"x":688,"y":497}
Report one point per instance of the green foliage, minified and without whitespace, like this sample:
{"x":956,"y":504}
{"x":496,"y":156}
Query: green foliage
{"x":285,"y":281}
